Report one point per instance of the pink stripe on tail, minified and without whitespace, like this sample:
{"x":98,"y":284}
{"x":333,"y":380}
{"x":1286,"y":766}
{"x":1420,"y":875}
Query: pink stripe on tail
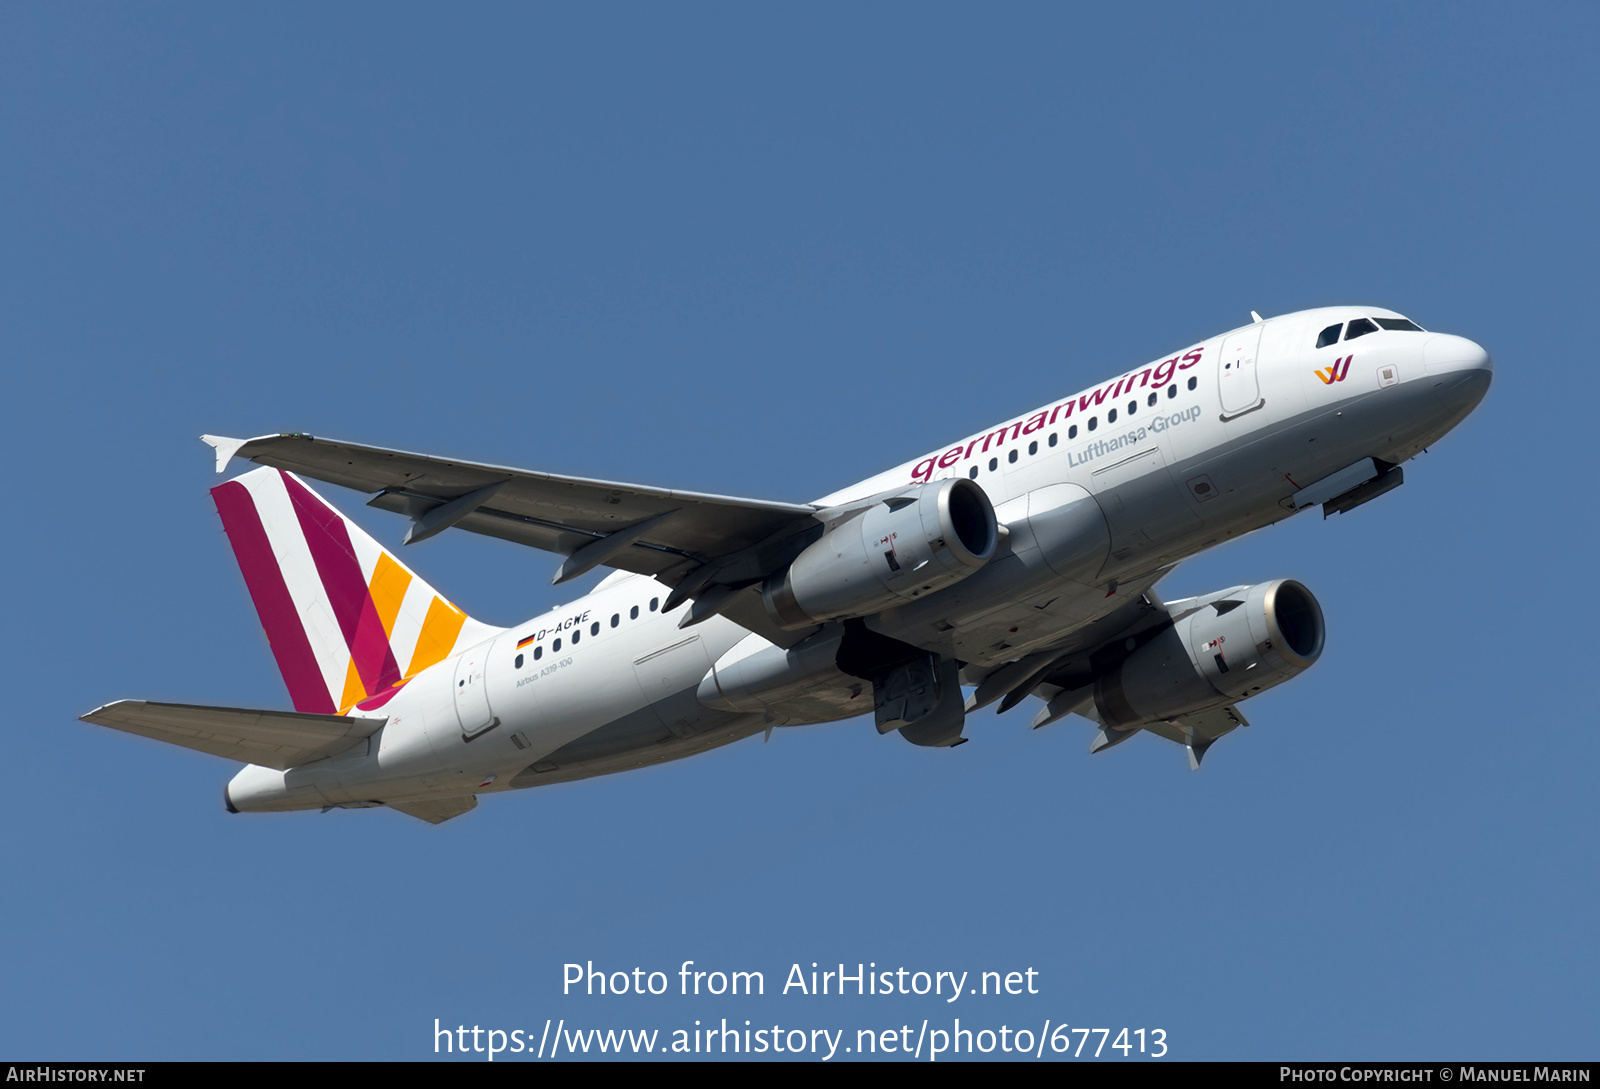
{"x":274,"y":605}
{"x":340,"y":570}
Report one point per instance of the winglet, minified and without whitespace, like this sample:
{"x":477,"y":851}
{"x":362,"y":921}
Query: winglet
{"x":225,"y":447}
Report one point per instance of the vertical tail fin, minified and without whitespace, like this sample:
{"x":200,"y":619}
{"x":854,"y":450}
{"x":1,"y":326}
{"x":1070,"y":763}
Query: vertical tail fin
{"x":348,"y":622}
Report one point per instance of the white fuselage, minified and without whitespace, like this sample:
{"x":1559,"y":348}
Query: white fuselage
{"x":1191,"y":450}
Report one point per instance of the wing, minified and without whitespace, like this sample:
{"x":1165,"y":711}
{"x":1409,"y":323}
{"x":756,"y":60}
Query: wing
{"x":273,"y":739}
{"x":713,"y":548}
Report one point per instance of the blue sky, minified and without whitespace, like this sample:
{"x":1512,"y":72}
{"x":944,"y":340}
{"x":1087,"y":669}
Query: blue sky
{"x":768,"y":251}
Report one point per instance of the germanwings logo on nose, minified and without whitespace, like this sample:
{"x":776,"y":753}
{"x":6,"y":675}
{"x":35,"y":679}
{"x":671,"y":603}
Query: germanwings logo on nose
{"x":1335,"y":373}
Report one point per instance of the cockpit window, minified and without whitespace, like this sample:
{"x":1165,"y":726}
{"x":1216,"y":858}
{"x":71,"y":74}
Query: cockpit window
{"x":1400,"y":325}
{"x":1330,"y":335}
{"x":1360,"y":328}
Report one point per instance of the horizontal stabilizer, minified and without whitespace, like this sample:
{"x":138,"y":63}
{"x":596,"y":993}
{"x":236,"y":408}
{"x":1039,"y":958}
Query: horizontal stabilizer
{"x":437,"y":810}
{"x":273,"y":739}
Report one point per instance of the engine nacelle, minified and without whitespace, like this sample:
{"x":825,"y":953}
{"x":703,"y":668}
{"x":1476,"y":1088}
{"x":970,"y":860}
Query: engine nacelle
{"x":1235,"y":646}
{"x":908,"y":544}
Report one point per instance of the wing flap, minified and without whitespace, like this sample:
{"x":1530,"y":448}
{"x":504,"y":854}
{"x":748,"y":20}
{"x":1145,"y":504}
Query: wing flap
{"x":1201,"y":728}
{"x":273,"y":739}
{"x":437,"y":810}
{"x":1199,"y":731}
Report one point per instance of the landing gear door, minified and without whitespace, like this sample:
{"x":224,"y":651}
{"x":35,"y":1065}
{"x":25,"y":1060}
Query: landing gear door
{"x":1236,"y":373}
{"x":472,"y":691}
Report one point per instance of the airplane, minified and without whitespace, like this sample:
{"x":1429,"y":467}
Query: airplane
{"x":1018,"y":562}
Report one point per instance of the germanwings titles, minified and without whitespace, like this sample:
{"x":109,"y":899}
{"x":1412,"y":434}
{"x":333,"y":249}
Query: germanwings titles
{"x":1018,"y":562}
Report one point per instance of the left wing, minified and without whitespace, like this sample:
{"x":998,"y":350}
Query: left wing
{"x":273,"y":739}
{"x":713,"y":548}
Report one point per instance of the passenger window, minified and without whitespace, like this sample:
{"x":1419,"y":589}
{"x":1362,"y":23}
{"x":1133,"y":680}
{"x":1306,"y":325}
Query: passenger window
{"x":1359,"y":328}
{"x":633,"y":613}
{"x":1133,"y":406}
{"x":1172,"y":391}
{"x":555,"y":646}
{"x":973,"y":472}
{"x":1033,"y":448}
{"x":1111,"y":418}
{"x":1151,"y":400}
{"x":519,"y":661}
{"x":538,"y":652}
{"x":616,"y":618}
{"x":576,"y":635}
{"x":594,"y":629}
{"x":1330,"y":335}
{"x":1052,"y":438}
{"x":1072,"y":432}
{"x":655,"y":603}
{"x":1012,"y":457}
{"x":1094,"y":422}
{"x":1193,"y":381}
{"x":994,"y":463}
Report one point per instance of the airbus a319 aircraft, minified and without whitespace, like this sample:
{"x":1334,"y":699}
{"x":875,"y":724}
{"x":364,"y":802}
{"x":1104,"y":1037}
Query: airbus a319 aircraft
{"x":1020,"y":561}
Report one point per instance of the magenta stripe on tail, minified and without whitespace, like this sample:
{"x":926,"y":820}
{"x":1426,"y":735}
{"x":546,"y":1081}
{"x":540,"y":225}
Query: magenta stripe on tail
{"x":341,"y":575}
{"x":274,"y":605}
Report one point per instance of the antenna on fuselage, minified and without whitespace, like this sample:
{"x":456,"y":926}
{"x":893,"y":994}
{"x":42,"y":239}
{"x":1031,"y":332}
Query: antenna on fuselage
{"x":1257,"y":318}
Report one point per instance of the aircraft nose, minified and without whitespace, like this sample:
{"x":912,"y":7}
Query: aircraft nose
{"x":1461,"y":370}
{"x":1446,"y":354}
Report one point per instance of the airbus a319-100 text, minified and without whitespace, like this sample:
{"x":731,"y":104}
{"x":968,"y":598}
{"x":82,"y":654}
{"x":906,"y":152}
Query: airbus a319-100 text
{"x":1020,"y":561}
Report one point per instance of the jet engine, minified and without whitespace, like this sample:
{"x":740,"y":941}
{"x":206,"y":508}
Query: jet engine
{"x":1237,"y":644}
{"x":902,"y":546}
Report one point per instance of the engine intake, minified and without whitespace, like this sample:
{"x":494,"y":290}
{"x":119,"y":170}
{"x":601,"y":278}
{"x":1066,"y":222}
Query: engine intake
{"x":906,"y":544}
